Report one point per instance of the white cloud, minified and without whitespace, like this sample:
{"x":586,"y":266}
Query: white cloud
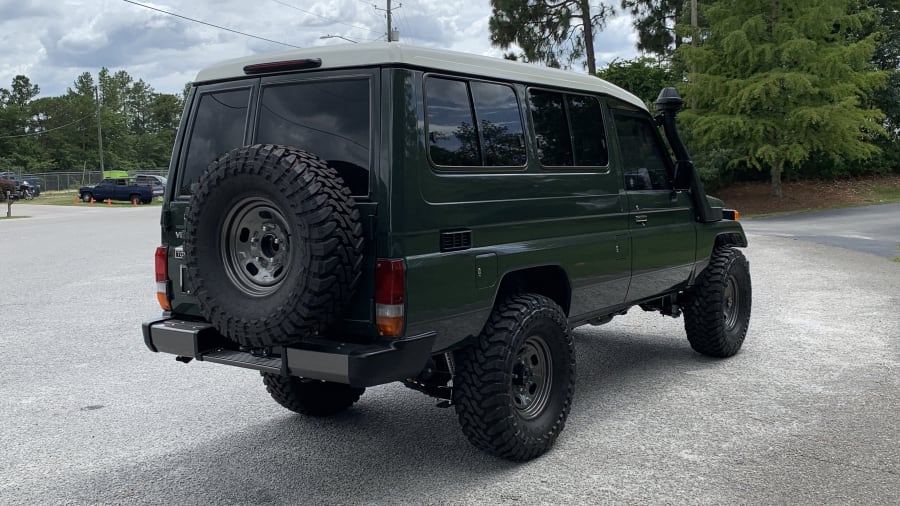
{"x":52,"y":41}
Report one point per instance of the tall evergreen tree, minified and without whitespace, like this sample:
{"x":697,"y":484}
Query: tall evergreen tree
{"x":549,"y":31}
{"x":777,"y":81}
{"x":655,"y":22}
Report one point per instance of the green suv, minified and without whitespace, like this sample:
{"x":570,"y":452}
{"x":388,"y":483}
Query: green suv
{"x":348,"y":216}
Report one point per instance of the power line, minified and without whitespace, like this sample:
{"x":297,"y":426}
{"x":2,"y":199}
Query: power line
{"x":42,"y":131}
{"x":323,"y":17}
{"x":210,"y":24}
{"x":405,"y":21}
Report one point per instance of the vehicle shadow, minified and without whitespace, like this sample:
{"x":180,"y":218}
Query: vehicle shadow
{"x":393,"y":447}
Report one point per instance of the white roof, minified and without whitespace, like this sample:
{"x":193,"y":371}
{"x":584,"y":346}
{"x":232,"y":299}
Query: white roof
{"x":379,"y":53}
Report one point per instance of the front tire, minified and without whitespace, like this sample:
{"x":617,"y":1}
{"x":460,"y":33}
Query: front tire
{"x":86,"y":197}
{"x":513,"y":387}
{"x":717,"y":315}
{"x":311,"y":397}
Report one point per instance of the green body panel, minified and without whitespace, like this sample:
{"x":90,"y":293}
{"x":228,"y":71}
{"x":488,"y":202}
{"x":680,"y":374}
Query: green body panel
{"x":663,"y":241}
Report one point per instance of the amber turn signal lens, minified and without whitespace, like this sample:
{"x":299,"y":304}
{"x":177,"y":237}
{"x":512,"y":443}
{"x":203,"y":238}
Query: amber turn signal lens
{"x":163,"y":300}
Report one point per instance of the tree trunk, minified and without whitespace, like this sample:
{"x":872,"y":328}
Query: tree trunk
{"x":777,"y":169}
{"x":695,"y":34}
{"x":588,"y":28}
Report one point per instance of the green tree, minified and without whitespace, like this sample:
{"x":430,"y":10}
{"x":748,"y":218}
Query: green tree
{"x":49,"y":133}
{"x":778,"y":81}
{"x":887,"y":58}
{"x":644,"y":77}
{"x":655,"y":22}
{"x":17,"y":148}
{"x":549,"y":31}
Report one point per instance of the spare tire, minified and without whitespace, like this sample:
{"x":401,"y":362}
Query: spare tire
{"x":273,"y":245}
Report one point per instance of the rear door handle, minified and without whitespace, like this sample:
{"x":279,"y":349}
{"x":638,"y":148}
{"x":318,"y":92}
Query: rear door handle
{"x":641,"y":218}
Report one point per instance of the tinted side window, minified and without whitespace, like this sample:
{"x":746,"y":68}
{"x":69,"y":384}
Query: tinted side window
{"x":329,"y":119}
{"x":551,"y":128}
{"x":500,"y":124}
{"x":643,"y":156}
{"x":452,"y":138}
{"x":473,"y":124}
{"x":568,"y":129}
{"x":588,"y":137}
{"x":218,"y":127}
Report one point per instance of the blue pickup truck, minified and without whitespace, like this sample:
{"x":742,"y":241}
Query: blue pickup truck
{"x":117,"y":189}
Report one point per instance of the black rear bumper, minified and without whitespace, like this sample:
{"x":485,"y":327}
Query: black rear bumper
{"x":359,"y":365}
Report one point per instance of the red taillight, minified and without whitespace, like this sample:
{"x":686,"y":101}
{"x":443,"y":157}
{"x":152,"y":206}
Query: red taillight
{"x":162,"y":278}
{"x":162,"y":264}
{"x":390,"y":291}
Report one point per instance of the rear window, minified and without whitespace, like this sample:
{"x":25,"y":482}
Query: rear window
{"x":218,"y":127}
{"x":328,"y":118}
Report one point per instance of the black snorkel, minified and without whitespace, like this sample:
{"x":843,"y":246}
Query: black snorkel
{"x":668,"y":103}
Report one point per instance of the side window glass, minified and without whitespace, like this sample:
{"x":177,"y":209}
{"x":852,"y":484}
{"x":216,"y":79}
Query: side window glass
{"x":452,"y":137}
{"x":500,"y":124}
{"x":329,"y":119}
{"x":588,"y":137}
{"x":218,"y":127}
{"x":551,"y":128}
{"x":643,"y":156}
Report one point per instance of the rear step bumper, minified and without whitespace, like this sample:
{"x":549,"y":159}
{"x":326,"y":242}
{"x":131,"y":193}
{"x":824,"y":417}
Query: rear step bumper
{"x":359,"y":365}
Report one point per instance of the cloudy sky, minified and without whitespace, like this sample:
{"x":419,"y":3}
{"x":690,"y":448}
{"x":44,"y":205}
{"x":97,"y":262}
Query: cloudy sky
{"x":53,"y":41}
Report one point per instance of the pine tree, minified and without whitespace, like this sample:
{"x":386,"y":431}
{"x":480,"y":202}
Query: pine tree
{"x":549,"y":31}
{"x":779,"y":80}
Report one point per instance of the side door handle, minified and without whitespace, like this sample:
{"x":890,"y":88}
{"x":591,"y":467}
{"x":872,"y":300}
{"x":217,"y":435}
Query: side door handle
{"x":641,"y":218}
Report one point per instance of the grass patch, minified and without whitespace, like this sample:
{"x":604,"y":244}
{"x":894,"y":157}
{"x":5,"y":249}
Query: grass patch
{"x":5,"y":217}
{"x":888,"y":193}
{"x":71,"y":199}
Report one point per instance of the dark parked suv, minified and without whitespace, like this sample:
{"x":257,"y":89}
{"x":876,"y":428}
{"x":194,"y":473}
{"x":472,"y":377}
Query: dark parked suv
{"x":349,"y":216}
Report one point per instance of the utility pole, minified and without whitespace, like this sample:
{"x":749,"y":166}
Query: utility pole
{"x":389,"y":19}
{"x":99,"y":130}
{"x":392,"y":36}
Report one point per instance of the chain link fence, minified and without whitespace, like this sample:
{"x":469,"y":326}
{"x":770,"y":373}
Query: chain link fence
{"x":64,"y":181}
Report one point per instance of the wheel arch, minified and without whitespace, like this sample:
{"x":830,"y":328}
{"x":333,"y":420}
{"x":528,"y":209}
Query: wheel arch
{"x":731,"y":239}
{"x":551,"y":281}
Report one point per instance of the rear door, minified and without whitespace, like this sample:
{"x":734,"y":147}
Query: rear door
{"x":661,"y":224}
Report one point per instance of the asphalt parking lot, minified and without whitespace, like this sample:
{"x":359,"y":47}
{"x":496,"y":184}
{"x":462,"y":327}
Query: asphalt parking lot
{"x":805,"y":414}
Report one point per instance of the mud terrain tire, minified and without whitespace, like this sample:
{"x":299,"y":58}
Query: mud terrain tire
{"x":273,"y":245}
{"x":717,"y":315}
{"x":514,"y":384}
{"x":311,"y":397}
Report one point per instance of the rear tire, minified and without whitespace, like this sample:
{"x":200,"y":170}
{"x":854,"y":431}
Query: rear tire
{"x":514,"y":385}
{"x":311,"y":397}
{"x":717,"y":315}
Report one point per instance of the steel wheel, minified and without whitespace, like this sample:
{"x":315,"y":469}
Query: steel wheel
{"x":256,"y":245}
{"x":732,"y":303}
{"x":532,"y":378}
